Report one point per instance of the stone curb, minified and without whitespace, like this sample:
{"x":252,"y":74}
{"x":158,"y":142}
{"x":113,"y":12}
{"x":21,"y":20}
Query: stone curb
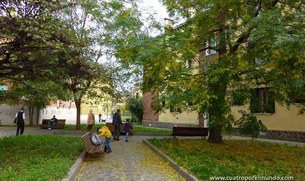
{"x":75,"y":167}
{"x":180,"y":170}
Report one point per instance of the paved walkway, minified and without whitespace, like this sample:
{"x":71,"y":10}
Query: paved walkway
{"x":11,"y":131}
{"x":130,"y":161}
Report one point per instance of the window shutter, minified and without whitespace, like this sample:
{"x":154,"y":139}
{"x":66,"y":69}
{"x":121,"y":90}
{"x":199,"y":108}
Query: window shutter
{"x":254,"y":101}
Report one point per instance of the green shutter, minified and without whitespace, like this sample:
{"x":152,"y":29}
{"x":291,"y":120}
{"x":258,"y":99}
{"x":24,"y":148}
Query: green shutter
{"x":171,"y":108}
{"x":254,"y":101}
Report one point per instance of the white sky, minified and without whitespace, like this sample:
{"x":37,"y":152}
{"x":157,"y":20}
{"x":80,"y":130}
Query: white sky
{"x":154,"y":7}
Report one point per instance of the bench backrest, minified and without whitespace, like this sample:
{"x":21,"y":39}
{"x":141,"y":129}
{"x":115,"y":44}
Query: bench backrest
{"x":111,"y":128}
{"x":59,"y":121}
{"x":89,"y":147}
{"x":190,"y":131}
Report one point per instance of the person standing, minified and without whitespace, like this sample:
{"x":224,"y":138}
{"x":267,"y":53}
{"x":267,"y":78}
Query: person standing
{"x":117,"y":121}
{"x":90,"y":120}
{"x":127,"y":128}
{"x":20,"y":117}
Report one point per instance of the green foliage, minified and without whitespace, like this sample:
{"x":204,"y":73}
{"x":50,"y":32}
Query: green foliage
{"x":254,"y":45}
{"x":42,"y":157}
{"x":62,"y":42}
{"x":238,"y":97}
{"x":249,"y":125}
{"x":37,"y":93}
{"x":135,"y":106}
{"x":35,"y":40}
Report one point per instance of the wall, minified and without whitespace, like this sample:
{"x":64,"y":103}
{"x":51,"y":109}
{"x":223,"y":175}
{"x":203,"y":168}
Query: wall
{"x":8,"y":113}
{"x":69,"y":114}
{"x":179,"y":118}
{"x":97,"y":109}
{"x":282,"y":120}
{"x":148,"y":113}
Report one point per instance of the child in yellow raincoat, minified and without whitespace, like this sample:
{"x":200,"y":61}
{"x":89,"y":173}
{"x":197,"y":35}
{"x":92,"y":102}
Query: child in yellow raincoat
{"x":104,"y":131}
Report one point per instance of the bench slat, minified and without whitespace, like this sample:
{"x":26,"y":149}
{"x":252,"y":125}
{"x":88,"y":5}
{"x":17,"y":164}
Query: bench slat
{"x":59,"y":125}
{"x":190,"y":131}
{"x":89,"y":147}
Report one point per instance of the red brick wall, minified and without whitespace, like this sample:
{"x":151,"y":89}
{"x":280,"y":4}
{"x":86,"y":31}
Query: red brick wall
{"x":148,"y":113}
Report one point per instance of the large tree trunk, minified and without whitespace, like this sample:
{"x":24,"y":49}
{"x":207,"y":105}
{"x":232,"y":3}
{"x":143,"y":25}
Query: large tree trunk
{"x":217,"y":87}
{"x":217,"y":115}
{"x":77,"y":104}
{"x":215,"y":135}
{"x":37,"y":115}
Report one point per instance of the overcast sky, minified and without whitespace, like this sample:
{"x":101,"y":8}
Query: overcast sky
{"x":154,"y":7}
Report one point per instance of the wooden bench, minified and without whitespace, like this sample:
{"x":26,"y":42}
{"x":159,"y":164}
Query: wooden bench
{"x":89,"y":147}
{"x":190,"y":131}
{"x":122,"y":132}
{"x":59,"y":125}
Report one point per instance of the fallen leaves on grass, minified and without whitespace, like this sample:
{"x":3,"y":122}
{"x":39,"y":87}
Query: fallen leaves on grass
{"x":234,"y":157}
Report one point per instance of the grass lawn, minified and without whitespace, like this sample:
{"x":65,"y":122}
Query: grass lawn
{"x":136,"y":129}
{"x":150,"y":130}
{"x":234,"y":158}
{"x":38,"y":157}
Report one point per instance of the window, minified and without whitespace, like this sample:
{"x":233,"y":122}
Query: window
{"x":163,"y":102}
{"x":210,"y":43}
{"x":189,"y":64}
{"x":3,"y":91}
{"x":257,"y":60}
{"x":261,"y":101}
{"x":174,"y":108}
{"x":3,"y":87}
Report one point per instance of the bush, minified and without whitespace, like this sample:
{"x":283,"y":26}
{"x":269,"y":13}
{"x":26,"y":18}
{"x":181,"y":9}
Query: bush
{"x":249,"y":125}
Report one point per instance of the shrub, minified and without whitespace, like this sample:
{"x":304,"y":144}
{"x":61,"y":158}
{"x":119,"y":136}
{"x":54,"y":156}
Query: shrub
{"x":249,"y":125}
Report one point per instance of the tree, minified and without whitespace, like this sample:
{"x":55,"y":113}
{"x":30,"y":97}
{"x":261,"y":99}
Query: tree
{"x":238,"y":32}
{"x":32,"y":43}
{"x":243,"y":31}
{"x":32,"y":39}
{"x":62,"y":41}
{"x":85,"y":76}
{"x":135,"y":106}
{"x":36,"y":94}
{"x":42,"y":40}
